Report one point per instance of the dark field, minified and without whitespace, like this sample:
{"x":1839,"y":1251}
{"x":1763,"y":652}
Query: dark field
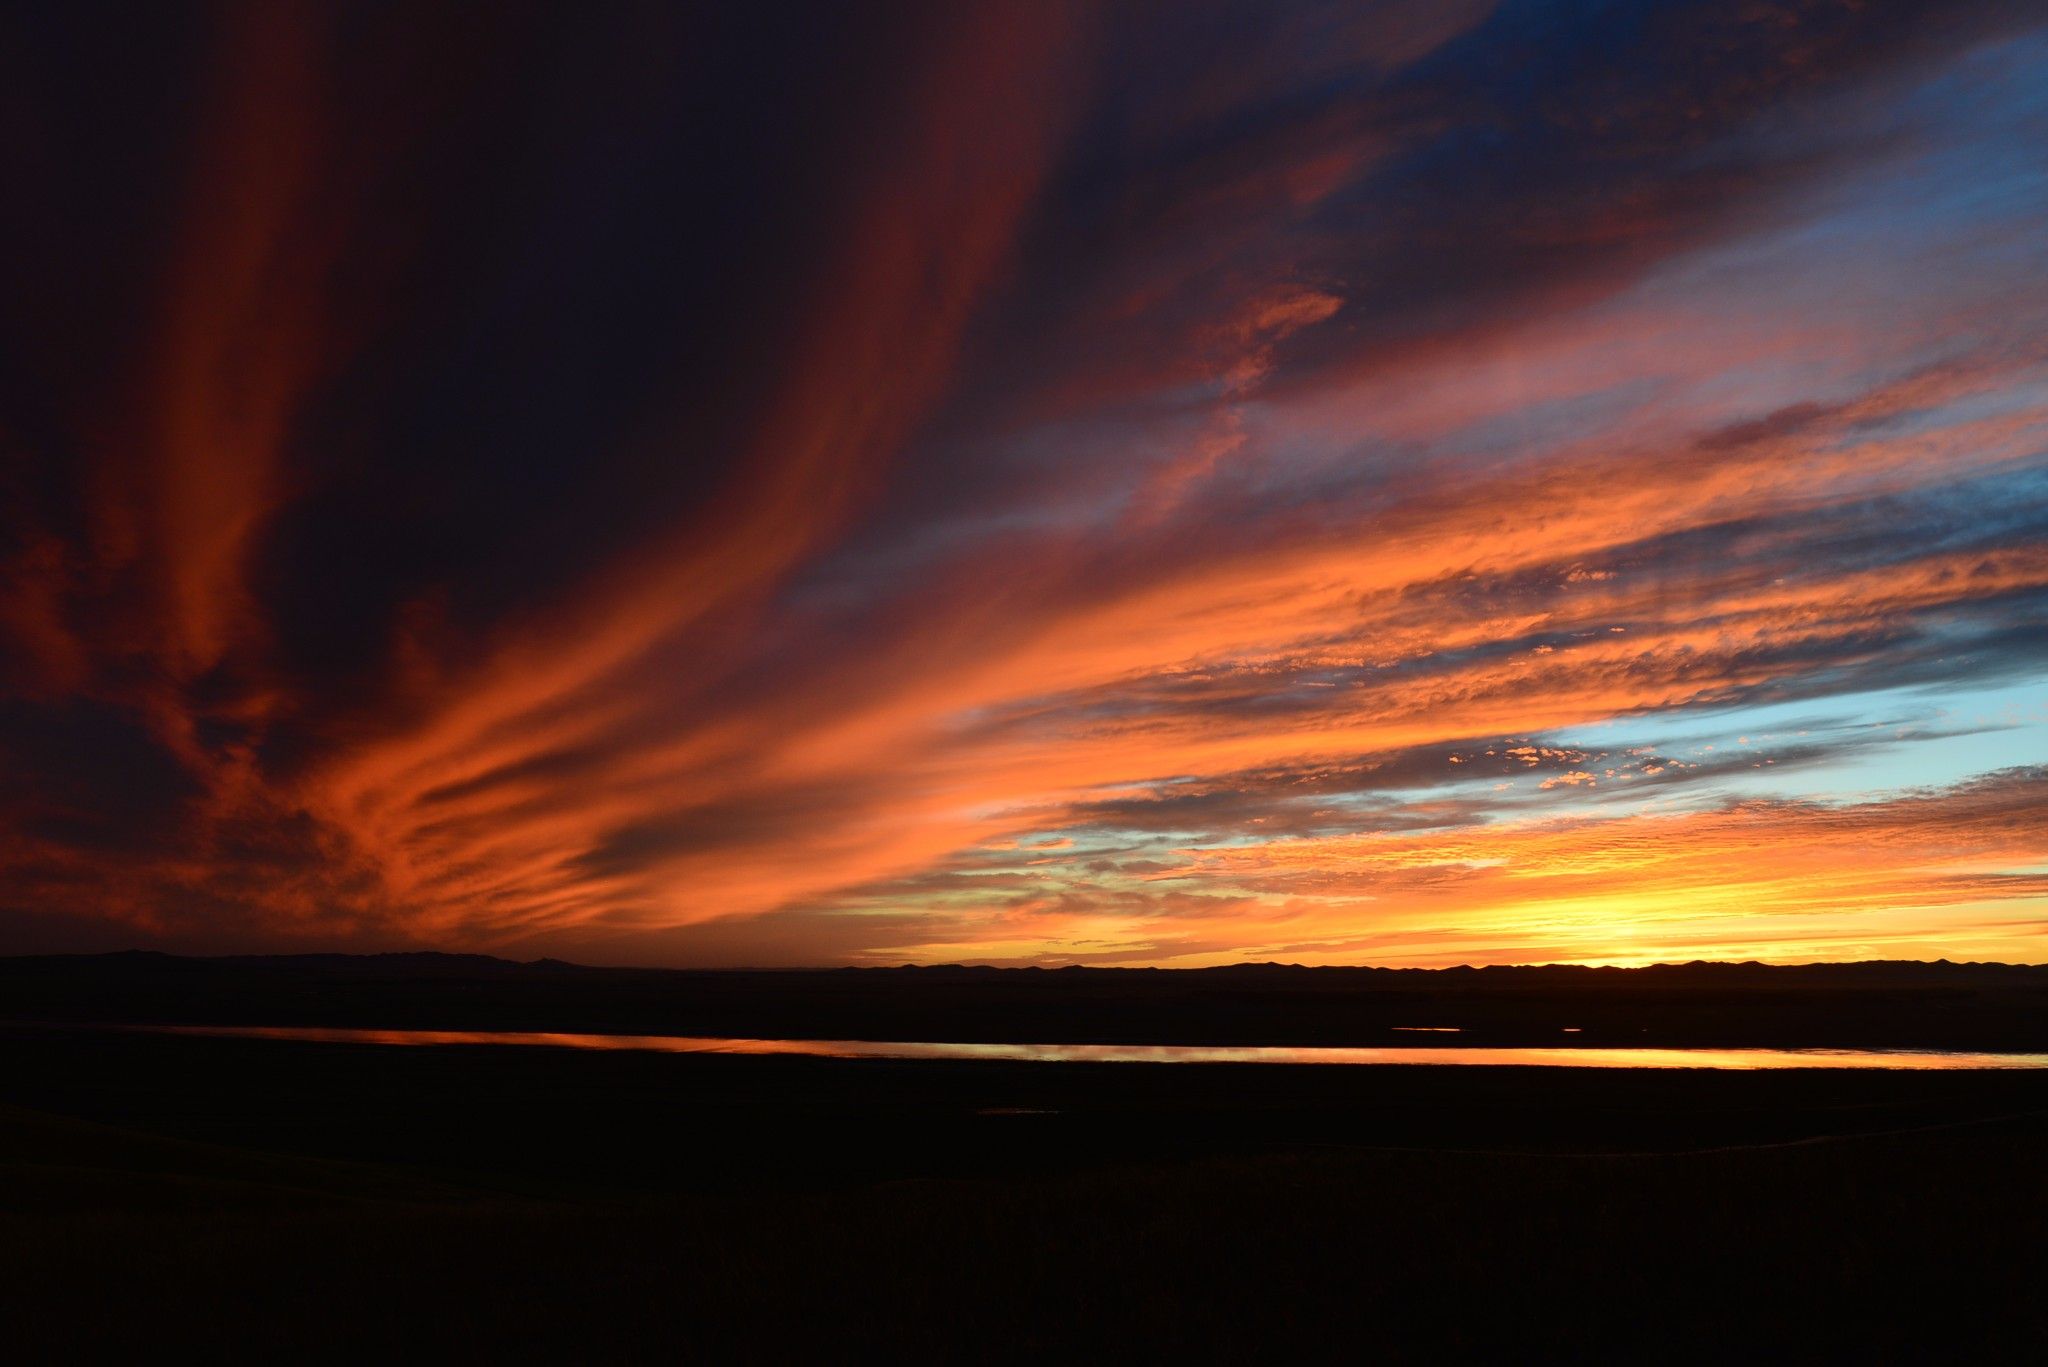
{"x":267,"y":1201}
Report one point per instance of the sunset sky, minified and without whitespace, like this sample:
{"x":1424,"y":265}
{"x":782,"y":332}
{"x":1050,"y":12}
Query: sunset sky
{"x":1419,"y":482}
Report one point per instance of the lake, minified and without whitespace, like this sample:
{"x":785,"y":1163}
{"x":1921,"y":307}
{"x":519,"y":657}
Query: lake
{"x":1563,"y":1056}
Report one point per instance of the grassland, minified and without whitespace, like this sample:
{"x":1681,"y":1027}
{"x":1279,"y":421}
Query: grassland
{"x":264,"y":1201}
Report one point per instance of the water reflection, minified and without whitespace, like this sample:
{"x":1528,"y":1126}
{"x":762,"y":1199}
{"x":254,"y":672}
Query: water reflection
{"x":1538,"y":1057}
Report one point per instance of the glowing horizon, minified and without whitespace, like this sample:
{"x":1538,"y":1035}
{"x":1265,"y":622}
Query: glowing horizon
{"x":1421,"y":483}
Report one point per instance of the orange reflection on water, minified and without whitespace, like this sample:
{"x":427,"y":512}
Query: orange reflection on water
{"x":1525,"y":1057}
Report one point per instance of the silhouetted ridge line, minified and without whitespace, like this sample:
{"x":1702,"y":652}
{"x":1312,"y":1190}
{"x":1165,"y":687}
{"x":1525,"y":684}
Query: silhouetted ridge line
{"x":1874,"y":1004}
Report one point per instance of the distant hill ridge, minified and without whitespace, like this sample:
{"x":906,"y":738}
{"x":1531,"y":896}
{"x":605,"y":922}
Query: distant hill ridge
{"x":433,"y":964}
{"x":1903,"y":1004}
{"x":443,"y":961}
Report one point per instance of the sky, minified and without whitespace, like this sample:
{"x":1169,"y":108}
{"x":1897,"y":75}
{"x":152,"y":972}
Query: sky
{"x":1416,"y":483}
